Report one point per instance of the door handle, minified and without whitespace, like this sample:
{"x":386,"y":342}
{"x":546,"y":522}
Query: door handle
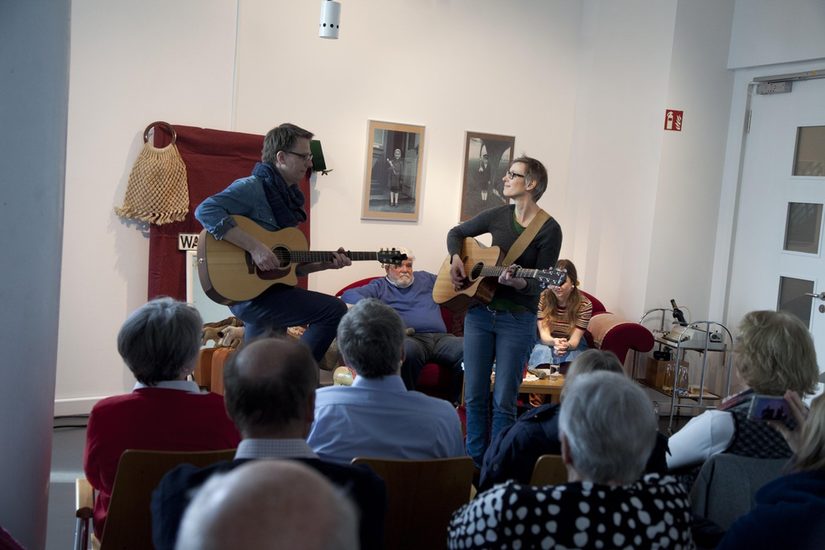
{"x":821,"y":295}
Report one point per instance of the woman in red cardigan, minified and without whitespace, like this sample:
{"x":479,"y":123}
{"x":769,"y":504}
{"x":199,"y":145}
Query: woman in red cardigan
{"x":164,"y":412}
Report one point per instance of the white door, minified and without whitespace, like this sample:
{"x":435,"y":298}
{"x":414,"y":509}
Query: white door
{"x":779,"y":254}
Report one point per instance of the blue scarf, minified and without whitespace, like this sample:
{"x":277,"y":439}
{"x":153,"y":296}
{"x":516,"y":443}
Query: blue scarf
{"x":286,"y":201}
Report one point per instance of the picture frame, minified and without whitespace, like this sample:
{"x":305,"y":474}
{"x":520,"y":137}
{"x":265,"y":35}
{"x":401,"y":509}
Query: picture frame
{"x":487,"y":157}
{"x":393,"y":180}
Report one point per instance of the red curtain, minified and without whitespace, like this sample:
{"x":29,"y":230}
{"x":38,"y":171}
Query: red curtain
{"x":214,"y":159}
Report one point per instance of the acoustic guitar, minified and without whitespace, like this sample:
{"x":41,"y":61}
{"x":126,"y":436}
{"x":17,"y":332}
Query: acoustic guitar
{"x":228,"y":274}
{"x":480,"y":265}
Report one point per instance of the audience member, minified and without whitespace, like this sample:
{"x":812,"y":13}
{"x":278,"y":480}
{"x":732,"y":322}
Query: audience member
{"x":607,"y":431}
{"x":790,"y":511}
{"x":269,"y":387}
{"x":774,"y":354}
{"x":159,"y":343}
{"x":563,"y":316}
{"x":377,"y":416}
{"x":269,"y":505}
{"x":410,"y":294}
{"x":514,"y":452}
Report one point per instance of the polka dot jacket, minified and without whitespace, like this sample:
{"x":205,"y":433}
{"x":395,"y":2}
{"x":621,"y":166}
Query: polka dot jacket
{"x":651,"y":513}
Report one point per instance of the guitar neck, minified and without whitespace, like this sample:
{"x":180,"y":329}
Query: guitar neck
{"x":312,"y":256}
{"x":497,"y":270}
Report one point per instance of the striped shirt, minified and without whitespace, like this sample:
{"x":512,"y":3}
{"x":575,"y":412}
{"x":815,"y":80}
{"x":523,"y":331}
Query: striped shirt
{"x":560,"y":328}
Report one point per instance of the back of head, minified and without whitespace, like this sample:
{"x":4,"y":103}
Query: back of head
{"x":269,"y":504}
{"x":811,"y":452}
{"x":268,"y":383}
{"x":775,"y":353}
{"x":609,"y":425}
{"x":536,"y":172}
{"x":594,"y":360}
{"x":282,"y":138}
{"x":371,"y":339}
{"x":160,"y":340}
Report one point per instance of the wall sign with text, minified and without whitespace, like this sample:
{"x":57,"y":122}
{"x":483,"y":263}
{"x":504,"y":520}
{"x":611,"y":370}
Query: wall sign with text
{"x":188,"y":241}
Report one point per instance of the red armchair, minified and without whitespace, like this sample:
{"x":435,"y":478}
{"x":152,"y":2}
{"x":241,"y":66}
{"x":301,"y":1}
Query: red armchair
{"x":434,"y":380}
{"x":610,"y":332}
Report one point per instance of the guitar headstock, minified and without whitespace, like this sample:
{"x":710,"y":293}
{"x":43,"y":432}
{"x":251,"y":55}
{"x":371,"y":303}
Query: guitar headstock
{"x":391,"y":256}
{"x":551,"y":277}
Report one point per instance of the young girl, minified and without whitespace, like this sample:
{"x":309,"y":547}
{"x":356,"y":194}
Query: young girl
{"x":563,"y":316}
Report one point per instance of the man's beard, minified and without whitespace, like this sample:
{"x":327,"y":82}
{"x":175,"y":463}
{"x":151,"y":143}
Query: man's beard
{"x":398,"y":282}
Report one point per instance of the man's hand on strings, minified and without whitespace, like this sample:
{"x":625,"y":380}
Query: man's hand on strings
{"x":264,"y":258}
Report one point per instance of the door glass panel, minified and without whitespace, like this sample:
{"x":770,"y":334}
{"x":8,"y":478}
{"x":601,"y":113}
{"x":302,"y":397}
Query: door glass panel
{"x":802,"y":227}
{"x":809,"y":159}
{"x":793,"y":300}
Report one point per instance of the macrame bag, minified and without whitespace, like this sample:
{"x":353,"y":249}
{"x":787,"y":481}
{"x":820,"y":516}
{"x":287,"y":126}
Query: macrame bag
{"x":157,"y":192}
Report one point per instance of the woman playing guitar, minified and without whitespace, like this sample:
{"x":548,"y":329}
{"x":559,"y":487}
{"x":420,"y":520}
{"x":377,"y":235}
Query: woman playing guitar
{"x":503,"y":332}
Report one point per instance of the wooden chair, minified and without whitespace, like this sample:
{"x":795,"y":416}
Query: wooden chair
{"x":549,"y":470}
{"x":129,"y":520}
{"x":421,"y":497}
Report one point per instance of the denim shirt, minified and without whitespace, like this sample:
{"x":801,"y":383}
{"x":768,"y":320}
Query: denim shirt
{"x":244,"y":197}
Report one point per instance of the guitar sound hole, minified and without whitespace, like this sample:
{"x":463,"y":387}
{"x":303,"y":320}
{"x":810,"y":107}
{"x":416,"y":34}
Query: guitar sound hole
{"x":283,"y":255}
{"x":475,"y":272}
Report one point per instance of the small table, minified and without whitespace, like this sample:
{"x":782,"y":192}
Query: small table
{"x":551,"y":386}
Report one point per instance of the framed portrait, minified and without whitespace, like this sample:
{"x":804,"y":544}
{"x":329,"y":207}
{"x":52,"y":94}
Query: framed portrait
{"x":392,"y":186}
{"x":487,"y":157}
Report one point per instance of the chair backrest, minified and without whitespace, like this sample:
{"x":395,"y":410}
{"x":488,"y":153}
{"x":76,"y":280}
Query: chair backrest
{"x":355,"y":284}
{"x":598,"y":306}
{"x":549,"y":470}
{"x":727,"y":483}
{"x":129,"y":519}
{"x":421,"y":497}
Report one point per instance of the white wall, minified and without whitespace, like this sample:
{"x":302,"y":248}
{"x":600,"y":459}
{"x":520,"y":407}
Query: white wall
{"x":767,"y":32}
{"x":691,"y":163}
{"x":617,"y":147}
{"x":451,"y":67}
{"x":131,"y":63}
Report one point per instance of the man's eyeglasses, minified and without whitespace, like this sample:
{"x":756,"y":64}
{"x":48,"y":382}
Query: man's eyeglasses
{"x":307,"y":157}
{"x":513,"y":175}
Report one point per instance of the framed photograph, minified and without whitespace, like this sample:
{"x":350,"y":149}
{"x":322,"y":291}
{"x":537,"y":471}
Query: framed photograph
{"x":487,"y":157}
{"x":392,"y":186}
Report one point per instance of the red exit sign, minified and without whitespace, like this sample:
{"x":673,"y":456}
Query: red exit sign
{"x":673,"y":120}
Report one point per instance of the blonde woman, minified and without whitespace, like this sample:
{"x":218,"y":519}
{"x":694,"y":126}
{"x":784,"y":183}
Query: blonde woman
{"x":774,"y":354}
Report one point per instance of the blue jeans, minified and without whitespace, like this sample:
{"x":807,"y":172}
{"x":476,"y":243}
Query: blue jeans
{"x":506,"y":339}
{"x":546,"y":355}
{"x":282,"y":306}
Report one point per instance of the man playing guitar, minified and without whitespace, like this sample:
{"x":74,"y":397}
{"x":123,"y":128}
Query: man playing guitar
{"x":272,"y":199}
